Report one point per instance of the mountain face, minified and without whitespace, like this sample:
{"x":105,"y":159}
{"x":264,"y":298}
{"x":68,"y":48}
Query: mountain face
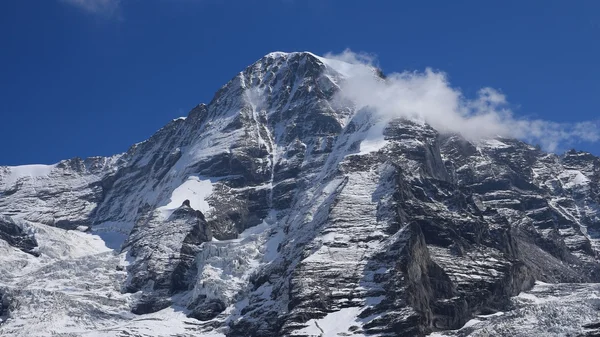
{"x":265,"y":213}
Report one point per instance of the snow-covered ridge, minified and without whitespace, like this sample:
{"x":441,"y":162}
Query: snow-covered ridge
{"x":341,"y":67}
{"x":14,"y":173}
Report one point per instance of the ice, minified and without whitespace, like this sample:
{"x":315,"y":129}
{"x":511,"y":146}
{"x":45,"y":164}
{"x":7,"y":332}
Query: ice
{"x":225,"y":266}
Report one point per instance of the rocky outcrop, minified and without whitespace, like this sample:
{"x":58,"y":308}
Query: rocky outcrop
{"x":177,"y":238}
{"x":17,"y":236}
{"x":4,"y":306}
{"x":591,"y":330}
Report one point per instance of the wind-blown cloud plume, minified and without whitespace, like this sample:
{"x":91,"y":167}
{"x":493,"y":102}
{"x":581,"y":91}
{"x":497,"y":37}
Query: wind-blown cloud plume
{"x":429,"y":97}
{"x":104,"y":7}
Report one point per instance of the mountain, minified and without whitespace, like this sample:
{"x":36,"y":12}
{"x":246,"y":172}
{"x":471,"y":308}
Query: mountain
{"x":273,"y":211}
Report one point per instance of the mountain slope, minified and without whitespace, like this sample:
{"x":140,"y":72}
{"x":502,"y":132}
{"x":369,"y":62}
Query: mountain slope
{"x":273,"y":211}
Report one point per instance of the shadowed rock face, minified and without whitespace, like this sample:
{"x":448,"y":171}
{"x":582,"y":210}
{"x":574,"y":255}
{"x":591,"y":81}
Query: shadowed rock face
{"x":260,"y":214}
{"x":16,"y":236}
{"x":591,"y":330}
{"x":4,"y":306}
{"x":177,"y":237}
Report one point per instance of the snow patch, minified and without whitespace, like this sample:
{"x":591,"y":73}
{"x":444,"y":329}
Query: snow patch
{"x":32,"y":171}
{"x":334,"y":324}
{"x":346,"y":69}
{"x":495,"y":144}
{"x":499,"y":313}
{"x":193,"y":189}
{"x":113,"y":233}
{"x":371,"y":145}
{"x":573,"y":179}
{"x":471,"y":323}
{"x":167,"y":322}
{"x":58,"y":243}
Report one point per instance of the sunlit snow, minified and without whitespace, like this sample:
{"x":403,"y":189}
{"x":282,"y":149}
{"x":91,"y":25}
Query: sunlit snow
{"x":193,"y":189}
{"x":32,"y":171}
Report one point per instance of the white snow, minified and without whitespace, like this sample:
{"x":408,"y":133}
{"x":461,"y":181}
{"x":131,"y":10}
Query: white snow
{"x":494,"y":143}
{"x":58,"y":243}
{"x":32,"y":171}
{"x":347,"y":69}
{"x":277,"y":54}
{"x":499,"y":313}
{"x":74,"y":289}
{"x":193,"y":189}
{"x":371,"y":145}
{"x":167,"y":322}
{"x":573,"y":179}
{"x":334,"y":324}
{"x":531,"y":298}
{"x":373,"y":137}
{"x":471,"y":322}
{"x":113,"y":233}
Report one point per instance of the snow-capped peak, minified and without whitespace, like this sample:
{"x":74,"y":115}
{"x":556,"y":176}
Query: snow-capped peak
{"x":343,"y":67}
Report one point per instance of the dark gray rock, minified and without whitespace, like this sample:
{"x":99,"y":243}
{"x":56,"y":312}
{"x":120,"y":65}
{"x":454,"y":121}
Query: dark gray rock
{"x":178,"y":238}
{"x":15,"y":235}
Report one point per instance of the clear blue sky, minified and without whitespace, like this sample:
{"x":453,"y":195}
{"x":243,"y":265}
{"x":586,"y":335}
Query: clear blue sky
{"x":83,"y":81}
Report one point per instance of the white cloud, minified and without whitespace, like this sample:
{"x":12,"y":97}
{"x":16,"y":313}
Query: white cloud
{"x":429,"y":97}
{"x":105,"y":7}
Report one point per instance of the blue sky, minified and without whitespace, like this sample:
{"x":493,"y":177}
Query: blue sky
{"x":92,"y":77}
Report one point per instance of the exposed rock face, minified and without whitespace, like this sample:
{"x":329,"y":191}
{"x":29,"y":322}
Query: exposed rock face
{"x":176,"y":239}
{"x":4,"y":306}
{"x":262,"y":214}
{"x":16,"y":235}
